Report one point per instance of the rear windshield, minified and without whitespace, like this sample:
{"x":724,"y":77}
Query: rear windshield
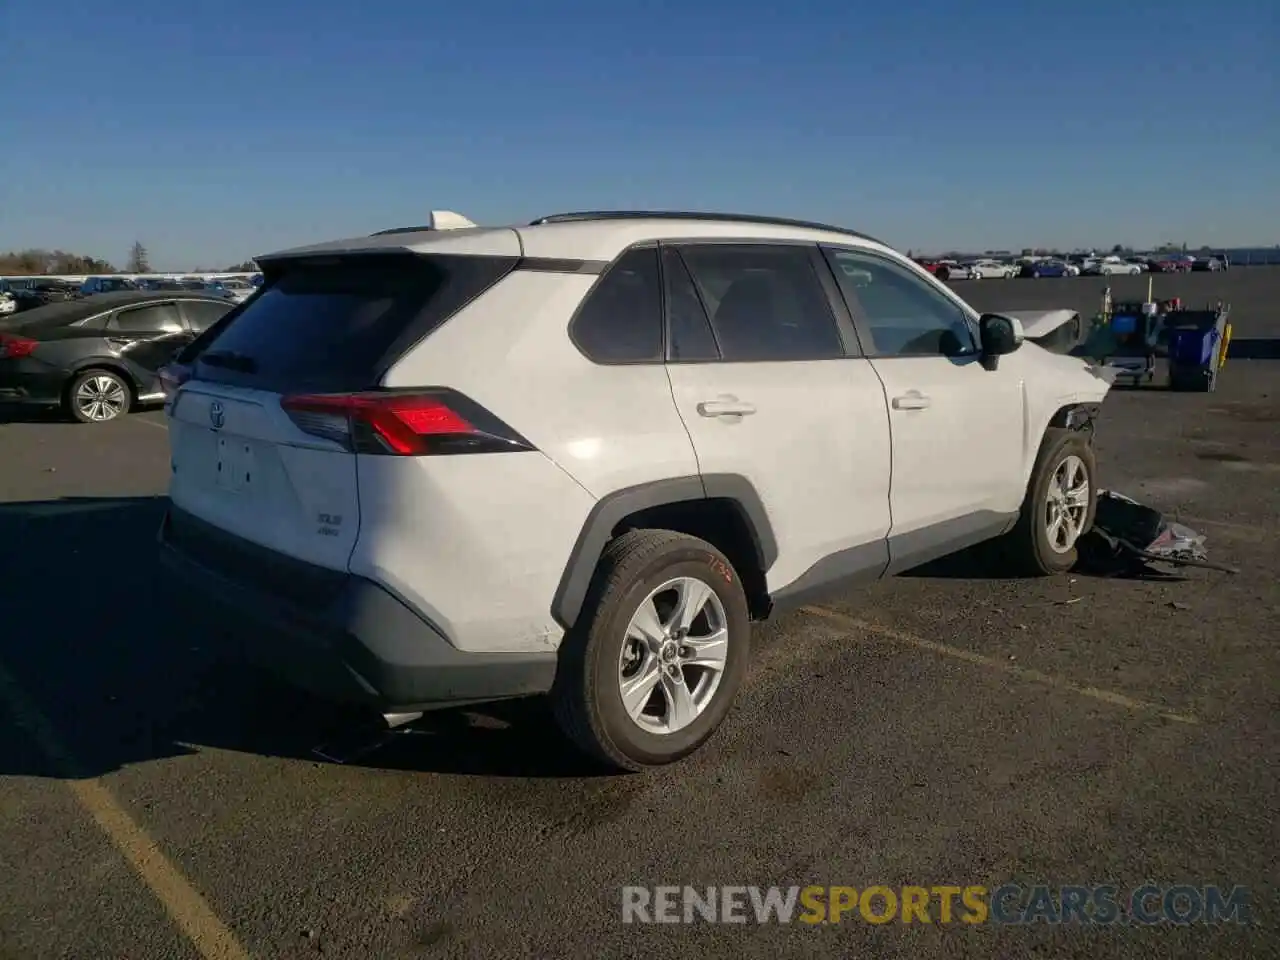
{"x":336,"y":325}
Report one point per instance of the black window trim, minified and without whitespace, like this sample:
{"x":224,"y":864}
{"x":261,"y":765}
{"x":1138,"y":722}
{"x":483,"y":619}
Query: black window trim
{"x":666,"y":312}
{"x":860,"y":321}
{"x":850,"y":340}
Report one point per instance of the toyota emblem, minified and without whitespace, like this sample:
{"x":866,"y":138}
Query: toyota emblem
{"x":217,"y":416}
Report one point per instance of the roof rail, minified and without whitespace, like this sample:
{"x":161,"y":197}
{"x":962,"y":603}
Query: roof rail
{"x":440,"y":220}
{"x":588,"y":215}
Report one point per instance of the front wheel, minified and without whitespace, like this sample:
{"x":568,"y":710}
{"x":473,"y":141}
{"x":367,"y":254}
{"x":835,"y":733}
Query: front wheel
{"x":97,"y":396}
{"x":651,"y":668}
{"x":1058,"y":508}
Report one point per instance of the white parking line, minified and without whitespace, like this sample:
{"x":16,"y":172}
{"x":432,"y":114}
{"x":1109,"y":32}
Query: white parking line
{"x":151,"y":423}
{"x":1022,"y":673}
{"x":212,"y":939}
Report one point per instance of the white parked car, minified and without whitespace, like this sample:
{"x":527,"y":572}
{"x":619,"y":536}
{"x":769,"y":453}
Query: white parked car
{"x":1109,"y":266}
{"x":989,"y":269}
{"x":236,"y":289}
{"x":951,"y":270}
{"x":578,"y":457}
{"x":8,"y":304}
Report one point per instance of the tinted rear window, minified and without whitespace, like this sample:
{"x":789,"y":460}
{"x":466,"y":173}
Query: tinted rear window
{"x":337,"y":325}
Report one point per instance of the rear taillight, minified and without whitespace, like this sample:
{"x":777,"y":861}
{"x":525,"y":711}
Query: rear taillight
{"x":13,"y":346}
{"x":403,"y":423}
{"x":172,"y":377}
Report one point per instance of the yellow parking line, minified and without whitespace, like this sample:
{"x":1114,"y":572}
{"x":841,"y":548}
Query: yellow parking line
{"x":1022,"y":673}
{"x":211,"y":938}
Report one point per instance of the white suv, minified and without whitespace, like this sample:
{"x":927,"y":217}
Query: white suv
{"x":452,"y":464}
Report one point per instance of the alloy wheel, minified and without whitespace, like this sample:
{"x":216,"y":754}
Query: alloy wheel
{"x":673,"y":656}
{"x":101,"y":398}
{"x":1067,"y":504}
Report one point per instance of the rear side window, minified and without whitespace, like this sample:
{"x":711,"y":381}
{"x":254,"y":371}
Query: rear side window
{"x":201,"y":315}
{"x":155,"y":319}
{"x":337,"y":325}
{"x":621,"y":319}
{"x":765,"y":302}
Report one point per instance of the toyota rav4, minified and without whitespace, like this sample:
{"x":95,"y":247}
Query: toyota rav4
{"x":451,"y":464}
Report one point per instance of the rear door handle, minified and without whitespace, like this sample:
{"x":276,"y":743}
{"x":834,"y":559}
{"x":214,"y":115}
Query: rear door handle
{"x":725,"y":407}
{"x":912,"y":400}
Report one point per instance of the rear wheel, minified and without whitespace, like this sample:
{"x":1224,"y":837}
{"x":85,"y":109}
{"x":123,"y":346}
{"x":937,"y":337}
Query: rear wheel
{"x":651,"y":668}
{"x":96,"y":396}
{"x":1058,"y":508}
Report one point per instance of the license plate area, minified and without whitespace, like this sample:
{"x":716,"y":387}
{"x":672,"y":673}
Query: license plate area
{"x":235,"y":465}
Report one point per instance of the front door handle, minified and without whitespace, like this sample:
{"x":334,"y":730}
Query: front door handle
{"x":912,"y":400}
{"x":725,"y":407}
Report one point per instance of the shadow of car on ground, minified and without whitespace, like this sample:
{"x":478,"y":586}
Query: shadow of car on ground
{"x":129,"y":667}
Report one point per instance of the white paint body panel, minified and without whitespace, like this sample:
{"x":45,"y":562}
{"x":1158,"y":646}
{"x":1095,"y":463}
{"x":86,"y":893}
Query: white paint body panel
{"x":816,"y":449}
{"x":610,"y":427}
{"x":294,"y":480}
{"x":476,"y":544}
{"x":957,"y":439}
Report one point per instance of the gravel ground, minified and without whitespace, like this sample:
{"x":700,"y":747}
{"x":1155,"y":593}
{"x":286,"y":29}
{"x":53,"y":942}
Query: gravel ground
{"x":943,"y":727}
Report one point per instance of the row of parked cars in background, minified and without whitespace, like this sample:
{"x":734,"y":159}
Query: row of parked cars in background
{"x":18,"y":294}
{"x":1074,"y":265}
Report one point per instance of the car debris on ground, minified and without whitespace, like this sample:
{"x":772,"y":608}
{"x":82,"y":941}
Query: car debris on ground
{"x":1127,"y":535}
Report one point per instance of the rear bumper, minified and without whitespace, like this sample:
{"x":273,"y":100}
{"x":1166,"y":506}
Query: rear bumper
{"x":340,"y":636}
{"x":29,"y":381}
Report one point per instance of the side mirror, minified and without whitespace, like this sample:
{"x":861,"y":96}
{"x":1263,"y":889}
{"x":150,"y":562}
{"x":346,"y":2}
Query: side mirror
{"x":999,"y":335}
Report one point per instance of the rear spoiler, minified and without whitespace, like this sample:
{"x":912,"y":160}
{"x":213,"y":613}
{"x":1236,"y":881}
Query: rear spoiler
{"x":438,"y":220}
{"x":384,"y":241}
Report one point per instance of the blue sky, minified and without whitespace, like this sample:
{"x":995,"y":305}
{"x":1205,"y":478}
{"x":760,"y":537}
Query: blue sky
{"x":215,"y":131}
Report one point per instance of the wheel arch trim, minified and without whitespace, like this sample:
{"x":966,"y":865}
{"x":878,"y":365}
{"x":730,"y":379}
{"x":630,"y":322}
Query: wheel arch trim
{"x":612,"y":509}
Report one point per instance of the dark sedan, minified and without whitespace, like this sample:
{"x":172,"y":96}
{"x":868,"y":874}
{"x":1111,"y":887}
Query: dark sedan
{"x":42,"y":292}
{"x":98,"y":357}
{"x":1044,"y":268}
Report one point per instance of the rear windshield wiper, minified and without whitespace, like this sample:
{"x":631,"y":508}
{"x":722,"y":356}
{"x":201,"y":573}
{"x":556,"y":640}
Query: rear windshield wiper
{"x":232,"y":361}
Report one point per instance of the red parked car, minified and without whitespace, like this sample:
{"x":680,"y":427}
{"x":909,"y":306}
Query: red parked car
{"x":1170,"y":264}
{"x":930,"y":265}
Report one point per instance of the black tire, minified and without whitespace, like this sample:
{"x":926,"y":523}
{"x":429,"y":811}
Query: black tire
{"x":73,"y":408}
{"x":1027,"y":544}
{"x":943,"y":274}
{"x":586,"y":696}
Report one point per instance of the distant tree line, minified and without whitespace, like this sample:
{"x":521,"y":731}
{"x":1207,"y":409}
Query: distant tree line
{"x":37,"y":262}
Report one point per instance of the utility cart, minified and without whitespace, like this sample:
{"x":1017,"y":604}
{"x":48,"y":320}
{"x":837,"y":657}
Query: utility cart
{"x":1197,"y":345}
{"x":1130,"y":336}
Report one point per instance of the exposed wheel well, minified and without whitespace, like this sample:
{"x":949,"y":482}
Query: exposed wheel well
{"x":721,"y":522}
{"x":1076,"y":416}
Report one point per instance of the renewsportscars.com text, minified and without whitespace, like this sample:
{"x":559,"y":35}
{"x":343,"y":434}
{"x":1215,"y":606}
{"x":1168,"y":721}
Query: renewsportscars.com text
{"x":1010,"y":904}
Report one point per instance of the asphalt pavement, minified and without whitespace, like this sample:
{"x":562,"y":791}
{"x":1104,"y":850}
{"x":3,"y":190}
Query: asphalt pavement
{"x":946,"y":727}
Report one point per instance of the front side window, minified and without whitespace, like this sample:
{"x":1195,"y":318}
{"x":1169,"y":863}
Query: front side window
{"x":765,"y":301}
{"x":904,"y":314}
